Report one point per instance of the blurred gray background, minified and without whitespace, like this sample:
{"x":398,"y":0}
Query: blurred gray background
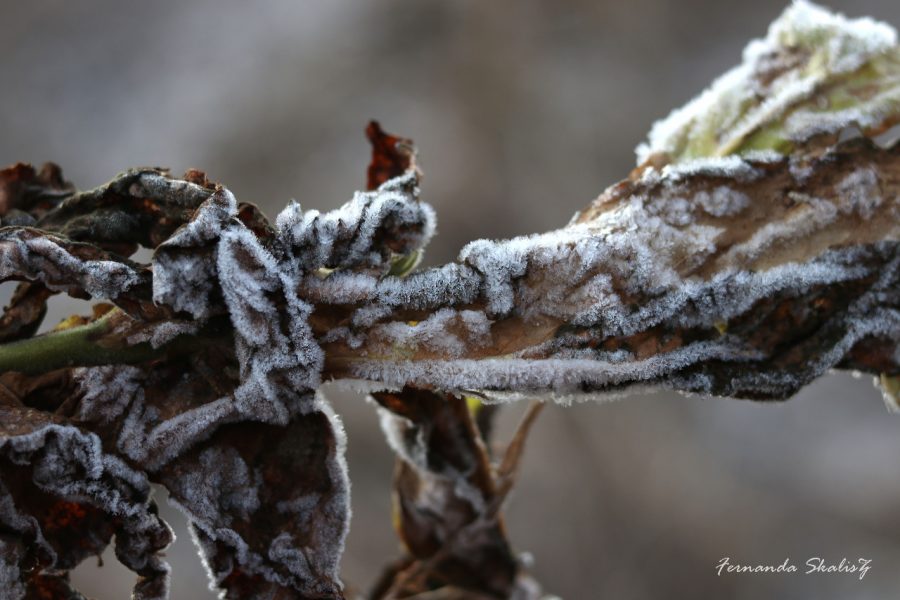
{"x":522,"y":113}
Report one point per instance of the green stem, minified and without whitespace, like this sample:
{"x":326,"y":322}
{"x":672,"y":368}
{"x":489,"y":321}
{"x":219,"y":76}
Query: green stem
{"x":90,"y":345}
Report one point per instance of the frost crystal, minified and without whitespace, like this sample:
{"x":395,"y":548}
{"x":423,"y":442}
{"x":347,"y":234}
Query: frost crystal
{"x":722,"y":201}
{"x":860,"y":193}
{"x":184,"y":275}
{"x":60,"y":264}
{"x":70,"y":466}
{"x":777,"y":86}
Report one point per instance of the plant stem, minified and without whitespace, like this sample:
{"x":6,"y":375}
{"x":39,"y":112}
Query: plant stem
{"x":67,"y":348}
{"x":91,"y":345}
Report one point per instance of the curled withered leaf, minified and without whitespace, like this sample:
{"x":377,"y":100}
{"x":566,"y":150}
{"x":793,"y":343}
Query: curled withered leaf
{"x":80,"y":269}
{"x":734,"y":277}
{"x":392,"y":156}
{"x":27,"y":194}
{"x":26,"y":309}
{"x":364,"y":233}
{"x":63,"y":497}
{"x":138,"y":207}
{"x":268,"y":505}
{"x":445,"y":496}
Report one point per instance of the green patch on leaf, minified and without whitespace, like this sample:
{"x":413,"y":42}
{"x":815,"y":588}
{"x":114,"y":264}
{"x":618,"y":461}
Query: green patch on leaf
{"x":815,"y":73}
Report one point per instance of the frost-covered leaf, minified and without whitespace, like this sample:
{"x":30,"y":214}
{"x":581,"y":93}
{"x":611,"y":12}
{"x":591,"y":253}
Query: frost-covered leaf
{"x":268,"y":505}
{"x":445,"y":501}
{"x":679,"y":277}
{"x":80,"y":269}
{"x":182,"y":422}
{"x":365,"y":233}
{"x":62,"y":497}
{"x":138,"y":207}
{"x":814,"y":73}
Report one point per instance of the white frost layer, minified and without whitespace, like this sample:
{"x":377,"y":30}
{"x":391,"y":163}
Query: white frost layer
{"x":23,"y":255}
{"x":840,"y":45}
{"x":70,"y":464}
{"x":116,"y":392}
{"x":348,"y":236}
{"x":446,"y":331}
{"x":559,"y":375}
{"x":222,"y":496}
{"x":217,"y":264}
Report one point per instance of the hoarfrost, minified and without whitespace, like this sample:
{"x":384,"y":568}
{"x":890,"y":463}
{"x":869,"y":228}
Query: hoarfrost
{"x":735,"y":168}
{"x":184,"y":275}
{"x":805,"y":47}
{"x":32,"y":255}
{"x":860,"y":193}
{"x":70,"y":464}
{"x":558,"y":375}
{"x":446,"y":331}
{"x":115,"y":393}
{"x":722,"y":201}
{"x":217,"y":265}
{"x":107,"y":391}
{"x":223,"y":470}
{"x":851,"y":42}
{"x":152,"y":441}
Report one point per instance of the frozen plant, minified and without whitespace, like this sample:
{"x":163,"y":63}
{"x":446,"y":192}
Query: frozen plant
{"x":755,"y":247}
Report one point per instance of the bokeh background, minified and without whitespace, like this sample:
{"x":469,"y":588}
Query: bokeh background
{"x":522,"y":112}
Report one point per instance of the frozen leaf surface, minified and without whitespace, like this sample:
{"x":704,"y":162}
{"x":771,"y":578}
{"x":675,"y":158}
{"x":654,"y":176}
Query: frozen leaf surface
{"x":446,"y":502}
{"x":62,"y":497}
{"x":814,"y":73}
